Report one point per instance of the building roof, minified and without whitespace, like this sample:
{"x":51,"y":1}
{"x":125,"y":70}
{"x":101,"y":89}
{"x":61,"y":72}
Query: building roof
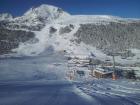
{"x":104,"y":70}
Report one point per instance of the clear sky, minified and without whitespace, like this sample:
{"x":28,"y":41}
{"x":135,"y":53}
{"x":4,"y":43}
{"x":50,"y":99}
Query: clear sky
{"x":123,"y":8}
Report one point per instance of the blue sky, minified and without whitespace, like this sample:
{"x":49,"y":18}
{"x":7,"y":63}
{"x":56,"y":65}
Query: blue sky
{"x":123,"y":8}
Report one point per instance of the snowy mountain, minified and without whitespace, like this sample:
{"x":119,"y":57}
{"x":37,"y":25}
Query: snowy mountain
{"x":40,"y":16}
{"x":34,"y":18}
{"x":45,"y":12}
{"x":99,"y":35}
{"x":5,"y":16}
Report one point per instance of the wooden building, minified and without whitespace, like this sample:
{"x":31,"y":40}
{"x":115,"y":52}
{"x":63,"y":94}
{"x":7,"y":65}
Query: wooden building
{"x":102,"y":73}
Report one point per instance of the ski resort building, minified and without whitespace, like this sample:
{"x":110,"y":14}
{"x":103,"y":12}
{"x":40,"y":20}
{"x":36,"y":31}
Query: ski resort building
{"x":102,"y":72}
{"x":78,"y":68}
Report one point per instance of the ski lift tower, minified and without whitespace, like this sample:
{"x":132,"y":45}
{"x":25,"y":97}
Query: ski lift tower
{"x":114,"y":77}
{"x":71,"y":69}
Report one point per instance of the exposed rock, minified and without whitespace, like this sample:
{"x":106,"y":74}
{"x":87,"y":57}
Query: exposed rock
{"x":52,"y":30}
{"x":66,"y":29}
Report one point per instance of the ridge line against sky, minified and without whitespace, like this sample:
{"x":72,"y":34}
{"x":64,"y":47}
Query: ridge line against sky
{"x":122,"y":8}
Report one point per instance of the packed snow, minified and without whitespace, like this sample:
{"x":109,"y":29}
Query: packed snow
{"x":42,"y":80}
{"x":128,"y":91}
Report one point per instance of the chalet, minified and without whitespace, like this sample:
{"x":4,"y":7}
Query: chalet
{"x":102,"y":72}
{"x":78,"y":62}
{"x":78,"y":67}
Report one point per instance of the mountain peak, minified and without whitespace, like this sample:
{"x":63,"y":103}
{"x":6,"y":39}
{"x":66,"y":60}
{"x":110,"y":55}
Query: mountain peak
{"x":37,"y":17}
{"x":41,"y":9}
{"x":45,"y":11}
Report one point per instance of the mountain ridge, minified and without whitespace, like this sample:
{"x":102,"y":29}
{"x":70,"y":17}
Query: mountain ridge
{"x":36,"y":18}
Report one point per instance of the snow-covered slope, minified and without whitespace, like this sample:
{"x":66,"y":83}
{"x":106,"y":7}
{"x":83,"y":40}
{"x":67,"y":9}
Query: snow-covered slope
{"x":83,"y":19}
{"x":6,"y":16}
{"x":41,"y":15}
{"x":34,"y":18}
{"x":95,"y":19}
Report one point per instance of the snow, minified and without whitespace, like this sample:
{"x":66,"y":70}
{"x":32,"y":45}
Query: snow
{"x":43,"y":14}
{"x":94,"y":19}
{"x":129,"y":60}
{"x":42,"y":94}
{"x":41,"y":80}
{"x":6,"y":16}
{"x":127,"y":90}
{"x":33,"y":68}
{"x":44,"y":11}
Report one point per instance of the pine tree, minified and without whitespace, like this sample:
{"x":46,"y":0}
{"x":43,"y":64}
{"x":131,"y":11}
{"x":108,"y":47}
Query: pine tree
{"x":131,"y":74}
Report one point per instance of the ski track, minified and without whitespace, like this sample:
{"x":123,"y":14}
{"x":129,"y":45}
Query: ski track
{"x":103,"y":91}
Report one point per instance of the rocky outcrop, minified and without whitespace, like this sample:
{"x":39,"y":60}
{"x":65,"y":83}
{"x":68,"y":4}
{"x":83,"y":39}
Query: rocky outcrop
{"x":66,"y":29}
